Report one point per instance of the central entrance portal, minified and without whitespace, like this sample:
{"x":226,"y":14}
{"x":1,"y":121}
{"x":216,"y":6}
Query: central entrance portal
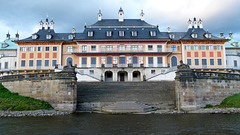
{"x":122,"y":76}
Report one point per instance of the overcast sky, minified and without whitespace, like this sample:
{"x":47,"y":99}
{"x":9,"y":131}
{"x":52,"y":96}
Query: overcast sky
{"x":24,"y":15}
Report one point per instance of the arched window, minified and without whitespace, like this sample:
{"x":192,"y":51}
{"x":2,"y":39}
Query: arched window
{"x":69,"y":60}
{"x":174,"y":61}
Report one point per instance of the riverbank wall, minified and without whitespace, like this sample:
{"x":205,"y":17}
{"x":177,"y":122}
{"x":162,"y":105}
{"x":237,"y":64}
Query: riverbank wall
{"x":59,"y":89}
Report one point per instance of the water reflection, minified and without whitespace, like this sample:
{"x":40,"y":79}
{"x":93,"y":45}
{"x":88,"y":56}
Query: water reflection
{"x":85,"y":123}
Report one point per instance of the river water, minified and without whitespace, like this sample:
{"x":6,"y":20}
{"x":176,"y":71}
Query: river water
{"x":107,"y":124}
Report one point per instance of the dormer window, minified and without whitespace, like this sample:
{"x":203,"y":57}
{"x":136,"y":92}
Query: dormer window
{"x":4,"y":45}
{"x":109,"y":33}
{"x":121,"y":33}
{"x":70,"y":36}
{"x":194,"y":35}
{"x":90,"y":33}
{"x":208,"y":35}
{"x":34,"y":36}
{"x":152,"y":33}
{"x":48,"y":36}
{"x":172,"y":36}
{"x":134,"y":33}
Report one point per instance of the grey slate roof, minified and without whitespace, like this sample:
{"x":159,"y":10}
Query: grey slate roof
{"x":143,"y":29}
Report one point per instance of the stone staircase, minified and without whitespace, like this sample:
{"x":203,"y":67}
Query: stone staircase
{"x":95,"y":96}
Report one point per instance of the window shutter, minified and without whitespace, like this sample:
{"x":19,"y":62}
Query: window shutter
{"x":215,"y":47}
{"x":207,"y":47}
{"x":192,"y":48}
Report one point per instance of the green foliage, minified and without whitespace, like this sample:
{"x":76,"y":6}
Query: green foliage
{"x":208,"y":106}
{"x":232,"y":101}
{"x":222,"y":77}
{"x":15,"y":102}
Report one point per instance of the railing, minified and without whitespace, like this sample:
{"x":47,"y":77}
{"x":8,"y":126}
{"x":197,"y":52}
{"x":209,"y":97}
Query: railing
{"x":122,"y":50}
{"x":8,"y":55}
{"x":216,"y":75}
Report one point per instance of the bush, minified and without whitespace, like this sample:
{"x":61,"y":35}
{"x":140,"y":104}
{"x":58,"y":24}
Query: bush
{"x":208,"y":106}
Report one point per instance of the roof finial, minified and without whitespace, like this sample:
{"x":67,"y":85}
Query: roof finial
{"x":142,"y":14}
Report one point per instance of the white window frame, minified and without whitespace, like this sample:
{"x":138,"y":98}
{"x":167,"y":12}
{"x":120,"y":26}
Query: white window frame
{"x":23,"y":49}
{"x":188,"y":47}
{"x":210,"y":62}
{"x":31,"y":49}
{"x":84,"y":48}
{"x":46,"y":49}
{"x":121,"y":33}
{"x":69,"y":48}
{"x":38,"y":48}
{"x":29,"y":63}
{"x":121,"y":47}
{"x":134,"y":33}
{"x":45,"y":63}
{"x":195,"y":62}
{"x":134,"y":47}
{"x":109,"y":33}
{"x":190,"y":62}
{"x":153,"y":33}
{"x":195,"y":47}
{"x":221,"y":62}
{"x":90,"y":33}
{"x":54,"y":47}
{"x":210,"y":47}
{"x":109,"y":48}
{"x":24,"y":63}
{"x":218,"y":47}
{"x":150,"y":49}
{"x":203,"y":46}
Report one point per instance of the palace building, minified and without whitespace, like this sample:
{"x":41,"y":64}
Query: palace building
{"x":122,"y":50}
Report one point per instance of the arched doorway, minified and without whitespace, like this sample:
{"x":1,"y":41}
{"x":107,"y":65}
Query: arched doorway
{"x":174,"y":61}
{"x":69,"y":59}
{"x":122,"y":76}
{"x":136,"y":76}
{"x":108,"y":76}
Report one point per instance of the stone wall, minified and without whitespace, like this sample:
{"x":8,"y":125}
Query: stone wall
{"x":57,"y":88}
{"x":197,"y":89}
{"x":94,"y":96}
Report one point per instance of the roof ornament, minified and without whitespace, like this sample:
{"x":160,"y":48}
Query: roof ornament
{"x":41,"y":25}
{"x":120,"y":14}
{"x":8,"y":35}
{"x":52,"y":25}
{"x":85,"y":26}
{"x":141,"y":15}
{"x":189,"y":24}
{"x":17,"y":36}
{"x":200,"y":23}
{"x":73,"y":30}
{"x":99,"y":15}
{"x":195,"y":25}
{"x":46,"y":23}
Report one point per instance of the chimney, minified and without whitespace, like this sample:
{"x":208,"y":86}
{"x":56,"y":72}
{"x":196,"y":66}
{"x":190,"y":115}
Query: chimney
{"x":168,"y":29}
{"x":189,"y":24}
{"x":8,"y":36}
{"x":46,"y":23}
{"x":52,"y":24}
{"x":17,"y":36}
{"x":231,"y":35}
{"x":41,"y":25}
{"x":200,"y":24}
{"x":195,"y":23}
{"x":120,"y":14}
{"x":142,"y":14}
{"x":73,"y":30}
{"x":222,"y":35}
{"x":100,"y":15}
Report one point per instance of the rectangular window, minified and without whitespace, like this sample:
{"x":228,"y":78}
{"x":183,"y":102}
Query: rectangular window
{"x":210,"y":47}
{"x":150,"y":47}
{"x":196,"y":61}
{"x":128,"y":47}
{"x":134,"y":33}
{"x":109,"y":48}
{"x":90,"y":33}
{"x":84,"y":62}
{"x":31,"y":49}
{"x":189,"y":62}
{"x":93,"y":48}
{"x":93,"y":62}
{"x":121,"y":47}
{"x":188,"y":54}
{"x":30,"y":64}
{"x":204,"y":62}
{"x":195,"y":47}
{"x":196,"y":54}
{"x":212,"y":62}
{"x":54,"y":63}
{"x":235,"y":63}
{"x":134,"y":47}
{"x":203,"y":54}
{"x":23,"y":63}
{"x":159,"y":48}
{"x":121,"y":60}
{"x":188,"y":47}
{"x":219,"y":54}
{"x":114,"y":48}
{"x":6,"y":65}
{"x":47,"y":48}
{"x":159,"y":61}
{"x":218,"y":47}
{"x":91,"y":72}
{"x":39,"y":63}
{"x":203,"y":47}
{"x":211,"y":54}
{"x":121,"y":33}
{"x":109,"y":33}
{"x":173,"y":48}
{"x":150,"y":61}
{"x":39,"y":49}
{"x":69,"y":49}
{"x":46,"y":63}
{"x":54,"y":48}
{"x":23,"y":49}
{"x":152,"y":33}
{"x":14,"y":65}
{"x":103,"y":48}
{"x":84,"y":48}
{"x":219,"y":62}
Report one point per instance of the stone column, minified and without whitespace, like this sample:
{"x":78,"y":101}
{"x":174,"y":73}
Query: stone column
{"x":114,"y":75}
{"x":130,"y":76}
